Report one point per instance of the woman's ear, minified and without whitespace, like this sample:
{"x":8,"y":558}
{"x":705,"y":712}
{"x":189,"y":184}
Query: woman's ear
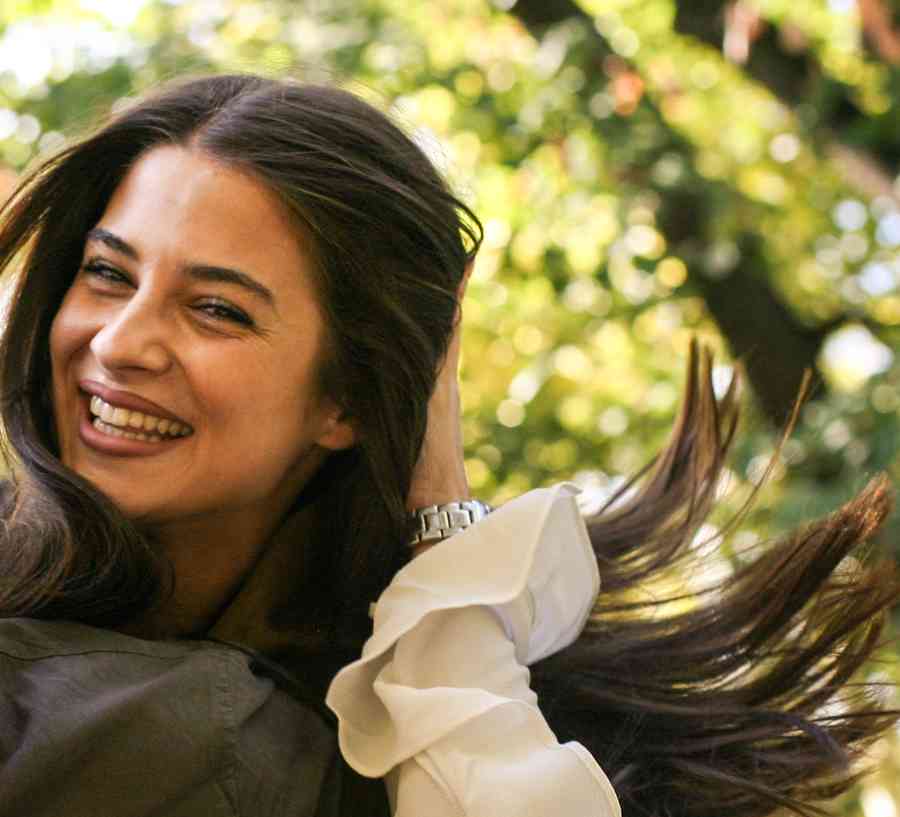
{"x":338,"y":430}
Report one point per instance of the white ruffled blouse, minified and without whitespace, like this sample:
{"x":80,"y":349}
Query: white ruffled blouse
{"x":439,"y":703}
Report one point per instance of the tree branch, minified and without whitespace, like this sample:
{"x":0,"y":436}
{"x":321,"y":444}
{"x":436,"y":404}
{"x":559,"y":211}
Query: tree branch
{"x":538,"y":17}
{"x":759,"y":328}
{"x":778,"y":60}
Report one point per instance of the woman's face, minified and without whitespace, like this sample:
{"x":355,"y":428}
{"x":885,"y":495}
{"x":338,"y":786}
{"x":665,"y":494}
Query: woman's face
{"x":194,"y":305}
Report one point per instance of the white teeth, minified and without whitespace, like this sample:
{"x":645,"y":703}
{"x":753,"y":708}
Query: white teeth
{"x":122,"y":418}
{"x":106,"y":428}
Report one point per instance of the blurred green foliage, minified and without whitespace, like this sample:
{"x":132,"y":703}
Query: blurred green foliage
{"x":640,"y":174}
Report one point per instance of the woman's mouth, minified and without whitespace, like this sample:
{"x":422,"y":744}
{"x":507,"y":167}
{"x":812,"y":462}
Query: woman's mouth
{"x":117,"y":431}
{"x":134,"y":425}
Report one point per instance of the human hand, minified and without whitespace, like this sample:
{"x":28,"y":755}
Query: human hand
{"x":440,"y":474}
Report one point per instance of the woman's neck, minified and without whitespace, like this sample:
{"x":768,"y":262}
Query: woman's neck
{"x":209,"y":563}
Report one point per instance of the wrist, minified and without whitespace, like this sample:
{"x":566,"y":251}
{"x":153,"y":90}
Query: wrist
{"x":439,"y":490}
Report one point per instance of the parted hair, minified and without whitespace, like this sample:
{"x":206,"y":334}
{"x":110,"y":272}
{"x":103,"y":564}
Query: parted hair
{"x":738,"y":700}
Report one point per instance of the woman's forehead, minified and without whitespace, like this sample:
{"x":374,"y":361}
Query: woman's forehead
{"x":178,"y":201}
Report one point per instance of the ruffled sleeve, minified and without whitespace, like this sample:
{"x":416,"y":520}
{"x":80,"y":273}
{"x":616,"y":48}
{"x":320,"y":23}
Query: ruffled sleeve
{"x":439,"y":702}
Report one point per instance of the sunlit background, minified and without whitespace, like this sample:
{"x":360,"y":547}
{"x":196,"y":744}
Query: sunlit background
{"x":647,"y":171}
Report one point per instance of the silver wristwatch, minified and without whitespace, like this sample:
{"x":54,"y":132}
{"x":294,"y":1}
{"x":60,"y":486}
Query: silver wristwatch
{"x":436,"y":522}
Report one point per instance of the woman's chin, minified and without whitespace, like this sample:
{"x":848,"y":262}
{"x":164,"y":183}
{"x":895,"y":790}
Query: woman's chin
{"x":136,"y":510}
{"x":138,"y":499}
{"x":136,"y":506}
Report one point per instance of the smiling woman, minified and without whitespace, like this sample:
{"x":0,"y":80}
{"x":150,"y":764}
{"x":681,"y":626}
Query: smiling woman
{"x":229,"y":377}
{"x":195,"y":305}
{"x":161,"y":320}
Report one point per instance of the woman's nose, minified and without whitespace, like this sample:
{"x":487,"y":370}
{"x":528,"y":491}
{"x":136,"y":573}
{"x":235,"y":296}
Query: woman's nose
{"x":134,"y":337}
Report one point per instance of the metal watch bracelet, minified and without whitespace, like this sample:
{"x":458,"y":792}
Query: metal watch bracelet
{"x":436,"y":522}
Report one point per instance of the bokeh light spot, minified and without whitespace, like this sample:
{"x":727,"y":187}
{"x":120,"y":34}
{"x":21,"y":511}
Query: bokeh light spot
{"x":671,"y":272}
{"x":850,"y":214}
{"x":510,"y":413}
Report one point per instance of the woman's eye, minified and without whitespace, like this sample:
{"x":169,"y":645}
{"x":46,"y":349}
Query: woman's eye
{"x":221,"y":311}
{"x":104,"y":272}
{"x":216,"y":310}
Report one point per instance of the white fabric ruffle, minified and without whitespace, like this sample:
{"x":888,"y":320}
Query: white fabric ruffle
{"x":439,"y":702}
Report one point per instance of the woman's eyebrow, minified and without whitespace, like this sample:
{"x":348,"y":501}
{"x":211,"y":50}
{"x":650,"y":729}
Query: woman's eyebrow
{"x":226,"y":275}
{"x":112,"y":241}
{"x":202,"y":272}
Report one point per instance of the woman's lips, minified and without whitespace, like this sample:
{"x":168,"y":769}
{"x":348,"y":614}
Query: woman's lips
{"x":124,"y":399}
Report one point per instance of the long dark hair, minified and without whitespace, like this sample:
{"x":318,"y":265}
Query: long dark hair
{"x":721,"y":709}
